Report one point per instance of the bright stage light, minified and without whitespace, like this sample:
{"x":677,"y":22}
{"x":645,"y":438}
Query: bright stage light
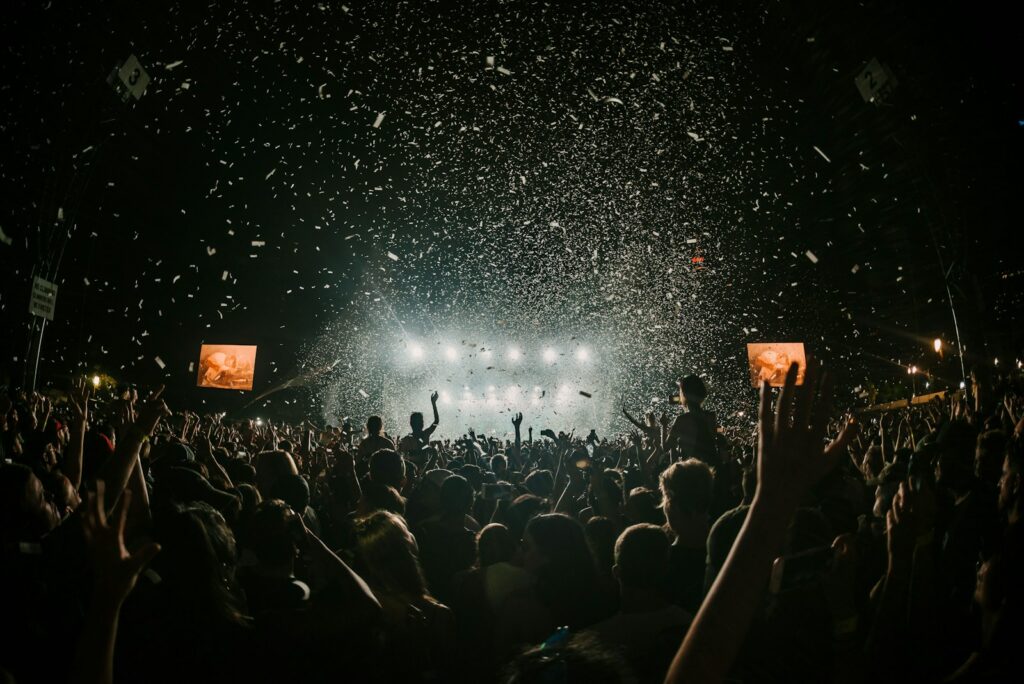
{"x":445,"y":397}
{"x":415,"y":351}
{"x":582,"y":354}
{"x":490,"y":388}
{"x":550,"y":355}
{"x":451,"y":354}
{"x":95,"y":381}
{"x":513,"y":354}
{"x":937,"y":344}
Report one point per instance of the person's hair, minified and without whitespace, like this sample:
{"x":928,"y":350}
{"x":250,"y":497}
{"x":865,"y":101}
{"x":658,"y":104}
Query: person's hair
{"x":266,"y":534}
{"x":386,"y":553}
{"x":495,"y":545}
{"x":14,"y":518}
{"x":374,"y":424}
{"x":522,"y":509}
{"x":293,"y":490}
{"x":540,"y":483}
{"x":642,"y":506}
{"x":989,"y":453}
{"x":688,"y":486}
{"x":694,"y":388}
{"x":565,"y":583}
{"x":387,"y":467}
{"x":456,"y":496}
{"x":270,"y":467}
{"x":197,"y":563}
{"x":499,"y":460}
{"x":600,"y":533}
{"x":582,"y":660}
{"x":642,"y":557}
{"x":382,"y":497}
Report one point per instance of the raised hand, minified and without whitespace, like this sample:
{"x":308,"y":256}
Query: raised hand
{"x":791,"y":452}
{"x":78,"y":400}
{"x":153,"y":409}
{"x":116,"y":569}
{"x":517,"y":420}
{"x":433,"y":397}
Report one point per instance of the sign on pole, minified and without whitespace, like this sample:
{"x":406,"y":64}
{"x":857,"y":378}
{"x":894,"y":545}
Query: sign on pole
{"x":44,"y":298}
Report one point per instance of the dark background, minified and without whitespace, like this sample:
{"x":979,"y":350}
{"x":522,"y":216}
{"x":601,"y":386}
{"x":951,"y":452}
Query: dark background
{"x":494,"y":224}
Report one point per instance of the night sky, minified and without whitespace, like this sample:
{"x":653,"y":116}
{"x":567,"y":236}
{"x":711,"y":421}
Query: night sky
{"x":331,"y":181}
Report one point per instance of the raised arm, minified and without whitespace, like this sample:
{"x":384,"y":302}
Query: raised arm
{"x":790,"y":461}
{"x":78,"y":399}
{"x":117,"y":469}
{"x":517,"y":424}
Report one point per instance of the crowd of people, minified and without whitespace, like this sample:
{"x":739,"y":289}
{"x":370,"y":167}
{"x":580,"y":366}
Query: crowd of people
{"x":142,"y":544}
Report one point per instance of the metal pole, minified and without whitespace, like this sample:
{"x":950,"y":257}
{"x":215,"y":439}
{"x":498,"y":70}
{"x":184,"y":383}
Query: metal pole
{"x":956,"y":329}
{"x":39,"y":351}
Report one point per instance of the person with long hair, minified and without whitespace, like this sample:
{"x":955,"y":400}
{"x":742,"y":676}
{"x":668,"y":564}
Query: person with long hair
{"x":419,"y":631}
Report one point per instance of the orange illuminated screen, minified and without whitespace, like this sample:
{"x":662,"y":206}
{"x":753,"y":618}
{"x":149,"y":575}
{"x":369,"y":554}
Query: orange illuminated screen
{"x":226,"y":366}
{"x":770,"y":361}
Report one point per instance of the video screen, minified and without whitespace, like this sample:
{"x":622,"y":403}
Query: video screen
{"x":769,"y":361}
{"x":226,"y":366}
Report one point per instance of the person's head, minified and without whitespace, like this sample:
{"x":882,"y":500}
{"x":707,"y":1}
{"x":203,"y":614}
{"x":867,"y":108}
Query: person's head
{"x":540,"y":483}
{"x":642,"y":506}
{"x":499,"y":466}
{"x":197,"y":563}
{"x":456,"y":496}
{"x":988,"y":456}
{"x":495,"y":545}
{"x":642,"y":558}
{"x":380,"y":497}
{"x":600,"y":532}
{"x":580,"y":660}
{"x":26,"y":510}
{"x":556,"y":542}
{"x":613,"y":493}
{"x":523,"y":509}
{"x":388,"y":468}
{"x":686,"y":489}
{"x":873,"y":462}
{"x":416,"y":422}
{"x":374,"y":425}
{"x":555,"y":551}
{"x":886,"y":485}
{"x":387,"y":555}
{"x":272,"y":466}
{"x":269,"y":533}
{"x":1011,"y":481}
{"x":694,"y":391}
{"x":294,"y":491}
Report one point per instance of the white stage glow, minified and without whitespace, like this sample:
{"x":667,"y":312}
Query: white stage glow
{"x":550,"y":355}
{"x":582,"y":354}
{"x":513,"y":354}
{"x":451,"y":354}
{"x":415,"y":351}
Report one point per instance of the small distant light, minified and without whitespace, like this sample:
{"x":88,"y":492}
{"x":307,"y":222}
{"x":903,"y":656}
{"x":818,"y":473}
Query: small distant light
{"x":513,"y":353}
{"x":1019,"y":364}
{"x":95,"y":381}
{"x":997,"y":362}
{"x":937,"y":344}
{"x":490,"y":388}
{"x":927,"y":385}
{"x":582,"y":354}
{"x":451,"y":354}
{"x":550,"y":355}
{"x":416,"y":351}
{"x":962,"y":384}
{"x":259,"y":421}
{"x":740,"y":414}
{"x":911,"y":370}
